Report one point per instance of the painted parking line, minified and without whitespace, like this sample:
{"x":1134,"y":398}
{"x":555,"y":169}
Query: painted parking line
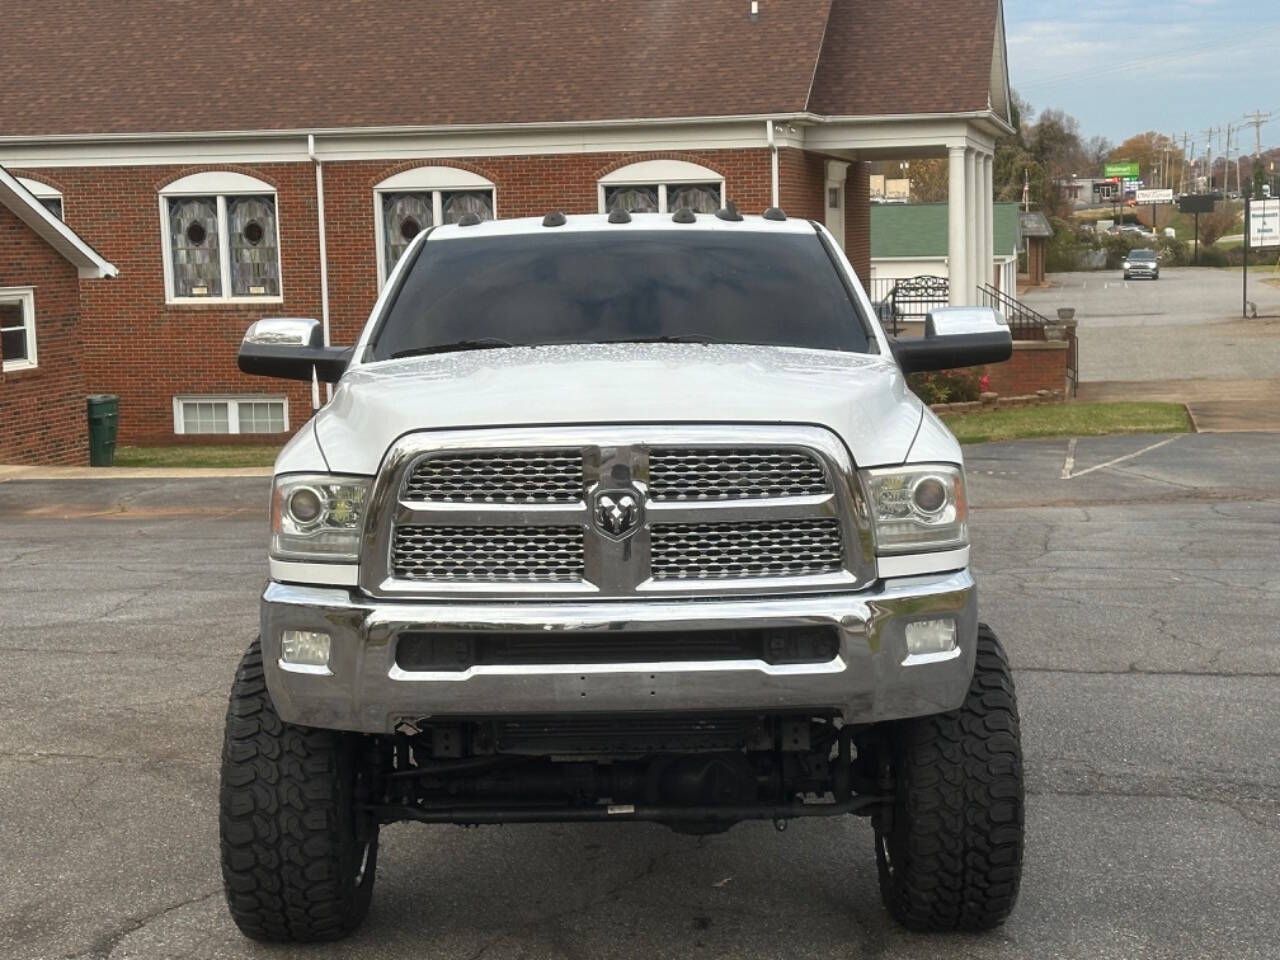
{"x":1067,"y":467}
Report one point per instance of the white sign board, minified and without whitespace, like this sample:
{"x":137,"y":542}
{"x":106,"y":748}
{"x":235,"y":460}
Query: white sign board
{"x":1154,"y":196}
{"x":1264,"y":223}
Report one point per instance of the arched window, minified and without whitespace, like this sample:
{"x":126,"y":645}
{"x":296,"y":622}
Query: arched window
{"x":406,"y":204}
{"x":50,"y":198}
{"x":662,"y":186}
{"x":221,"y":238}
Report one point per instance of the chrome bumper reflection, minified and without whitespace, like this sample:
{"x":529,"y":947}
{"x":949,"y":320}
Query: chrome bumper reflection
{"x":871,"y":678}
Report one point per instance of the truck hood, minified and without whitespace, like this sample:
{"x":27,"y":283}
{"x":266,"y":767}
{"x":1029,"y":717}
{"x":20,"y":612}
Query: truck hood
{"x":862,"y":398}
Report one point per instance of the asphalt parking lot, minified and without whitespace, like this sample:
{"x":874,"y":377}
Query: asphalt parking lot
{"x":1134,"y":582}
{"x":1187,"y":325}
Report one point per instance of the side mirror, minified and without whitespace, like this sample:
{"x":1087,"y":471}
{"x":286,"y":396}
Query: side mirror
{"x":956,"y":337}
{"x":291,"y":348}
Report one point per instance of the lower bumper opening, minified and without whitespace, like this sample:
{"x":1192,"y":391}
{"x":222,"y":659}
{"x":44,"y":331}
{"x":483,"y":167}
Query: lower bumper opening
{"x":436,"y":652}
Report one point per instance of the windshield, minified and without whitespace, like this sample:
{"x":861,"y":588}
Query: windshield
{"x":1142,"y":254}
{"x":602,"y":286}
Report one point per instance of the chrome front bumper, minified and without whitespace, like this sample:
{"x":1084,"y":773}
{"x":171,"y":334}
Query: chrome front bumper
{"x":871,"y":679}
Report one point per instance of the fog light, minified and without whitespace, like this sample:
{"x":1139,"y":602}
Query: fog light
{"x":305,"y":648}
{"x":930,"y":637}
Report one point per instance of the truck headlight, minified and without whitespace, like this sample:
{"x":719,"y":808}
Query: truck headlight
{"x":318,"y":517}
{"x":918,"y":508}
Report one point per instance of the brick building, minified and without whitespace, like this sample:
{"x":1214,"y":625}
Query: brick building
{"x":273,"y":159}
{"x":42,"y":382}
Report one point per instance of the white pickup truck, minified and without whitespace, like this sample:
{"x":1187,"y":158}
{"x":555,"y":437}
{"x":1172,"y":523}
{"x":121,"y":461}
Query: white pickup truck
{"x":618,"y":519}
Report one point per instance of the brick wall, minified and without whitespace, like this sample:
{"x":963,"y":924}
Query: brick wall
{"x":147,"y":351}
{"x":42,"y":411}
{"x":1035,"y":365}
{"x":857,"y":219}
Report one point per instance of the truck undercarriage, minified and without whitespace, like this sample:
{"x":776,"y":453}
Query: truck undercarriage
{"x":696,"y":773}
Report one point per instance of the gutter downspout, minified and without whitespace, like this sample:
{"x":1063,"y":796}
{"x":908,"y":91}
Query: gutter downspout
{"x":324,"y":261}
{"x":773,"y":161}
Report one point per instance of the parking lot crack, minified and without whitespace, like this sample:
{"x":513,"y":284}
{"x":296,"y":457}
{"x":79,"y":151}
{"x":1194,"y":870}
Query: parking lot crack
{"x":105,"y":945}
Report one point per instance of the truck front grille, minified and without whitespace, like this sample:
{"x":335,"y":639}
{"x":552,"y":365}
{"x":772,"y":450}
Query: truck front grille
{"x":509,"y":476}
{"x":488,"y":554}
{"x":719,"y":551}
{"x":683,"y":473}
{"x":524,"y":513}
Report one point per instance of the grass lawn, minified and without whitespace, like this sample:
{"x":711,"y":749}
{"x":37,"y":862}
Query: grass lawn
{"x":1069,"y":420}
{"x":247,"y":455}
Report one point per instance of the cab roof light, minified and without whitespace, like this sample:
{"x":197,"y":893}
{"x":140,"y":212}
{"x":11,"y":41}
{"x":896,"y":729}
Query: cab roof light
{"x":553,"y":219}
{"x":683,"y":215}
{"x":729,"y":212}
{"x":774,"y":213}
{"x":618,"y":215}
{"x":469,"y":220}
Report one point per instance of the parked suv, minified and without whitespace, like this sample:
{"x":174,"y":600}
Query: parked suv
{"x":619,"y":519}
{"x":1141,"y":263}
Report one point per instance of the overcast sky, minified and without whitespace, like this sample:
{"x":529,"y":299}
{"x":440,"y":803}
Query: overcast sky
{"x":1123,"y":68}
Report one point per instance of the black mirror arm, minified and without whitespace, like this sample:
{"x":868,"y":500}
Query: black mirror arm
{"x":294,"y":362}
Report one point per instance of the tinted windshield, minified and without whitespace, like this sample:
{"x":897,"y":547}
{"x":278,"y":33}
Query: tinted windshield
{"x":1142,"y":254}
{"x":748,"y":287}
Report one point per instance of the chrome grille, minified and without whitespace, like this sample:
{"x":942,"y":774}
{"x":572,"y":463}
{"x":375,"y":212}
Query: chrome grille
{"x":508,"y":476}
{"x":488,"y":554}
{"x":711,"y":473}
{"x":721,"y":551}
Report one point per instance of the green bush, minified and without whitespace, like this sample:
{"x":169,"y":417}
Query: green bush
{"x":1065,"y":248}
{"x":1173,"y":252}
{"x":948,"y":386}
{"x":1213,"y":256}
{"x":1257,"y":258}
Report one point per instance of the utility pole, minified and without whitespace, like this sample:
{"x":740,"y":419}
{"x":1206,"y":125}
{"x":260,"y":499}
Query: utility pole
{"x":1257,"y":118}
{"x":1208,"y":160}
{"x":1226,"y":164}
{"x":1186,"y":160}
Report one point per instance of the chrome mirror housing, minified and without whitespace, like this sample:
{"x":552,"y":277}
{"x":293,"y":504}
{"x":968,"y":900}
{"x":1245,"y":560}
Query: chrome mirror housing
{"x":956,"y":337}
{"x":291,"y":348}
{"x":286,"y":331}
{"x":958,"y":321}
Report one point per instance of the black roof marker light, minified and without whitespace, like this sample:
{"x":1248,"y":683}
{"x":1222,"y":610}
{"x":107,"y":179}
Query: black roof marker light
{"x":683,"y":215}
{"x":729,"y":212}
{"x":469,"y":220}
{"x":554,"y":219}
{"x":774,"y":213}
{"x":618,"y":215}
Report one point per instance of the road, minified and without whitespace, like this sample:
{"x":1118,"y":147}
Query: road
{"x":1138,"y":600}
{"x":1185,"y":326}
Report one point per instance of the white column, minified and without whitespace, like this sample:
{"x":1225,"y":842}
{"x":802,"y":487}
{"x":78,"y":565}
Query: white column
{"x":957,"y":234}
{"x":837,"y":175}
{"x":989,"y":217}
{"x":972,"y":207}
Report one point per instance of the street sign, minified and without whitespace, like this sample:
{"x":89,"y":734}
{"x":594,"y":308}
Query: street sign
{"x":1154,"y":196}
{"x":1128,"y":170}
{"x":1264,"y":223}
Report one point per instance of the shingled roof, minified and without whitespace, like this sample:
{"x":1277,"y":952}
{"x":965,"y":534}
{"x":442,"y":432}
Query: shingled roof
{"x":161,"y":66}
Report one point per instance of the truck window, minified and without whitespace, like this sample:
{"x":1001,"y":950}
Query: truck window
{"x":623,"y":284}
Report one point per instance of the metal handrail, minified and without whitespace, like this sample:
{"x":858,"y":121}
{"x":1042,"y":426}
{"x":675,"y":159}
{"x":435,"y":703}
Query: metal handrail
{"x":1022,"y":319}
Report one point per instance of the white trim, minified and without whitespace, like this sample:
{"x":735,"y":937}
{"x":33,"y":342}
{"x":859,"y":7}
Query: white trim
{"x":433,"y":179}
{"x":40,"y":190}
{"x":233,"y":402}
{"x":51,"y":229}
{"x":240,"y":186}
{"x":27,"y":297}
{"x":214,"y":182}
{"x":916,"y":564}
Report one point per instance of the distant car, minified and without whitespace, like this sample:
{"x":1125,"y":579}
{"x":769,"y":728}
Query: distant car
{"x":1141,"y":263}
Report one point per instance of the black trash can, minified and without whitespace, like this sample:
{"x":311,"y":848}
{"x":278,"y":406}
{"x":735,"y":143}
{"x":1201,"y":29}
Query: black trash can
{"x":104,"y":418}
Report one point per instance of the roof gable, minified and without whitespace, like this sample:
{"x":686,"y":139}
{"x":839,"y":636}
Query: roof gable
{"x":906,"y":57}
{"x":52,"y":230}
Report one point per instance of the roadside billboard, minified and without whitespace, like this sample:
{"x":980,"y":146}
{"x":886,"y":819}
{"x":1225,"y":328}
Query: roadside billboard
{"x":1128,"y":171}
{"x":1154,"y":196}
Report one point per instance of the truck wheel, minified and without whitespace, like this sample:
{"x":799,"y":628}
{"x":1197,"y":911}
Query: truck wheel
{"x":950,"y":848}
{"x":296,"y":864}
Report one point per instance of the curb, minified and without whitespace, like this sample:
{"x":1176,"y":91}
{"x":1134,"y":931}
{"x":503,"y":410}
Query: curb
{"x":13,"y":472}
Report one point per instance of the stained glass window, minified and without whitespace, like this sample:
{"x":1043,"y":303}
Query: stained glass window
{"x":404,"y":216}
{"x":193,"y":237}
{"x":632,"y":199}
{"x":698,"y":197}
{"x":255,"y":261}
{"x":455,"y":203}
